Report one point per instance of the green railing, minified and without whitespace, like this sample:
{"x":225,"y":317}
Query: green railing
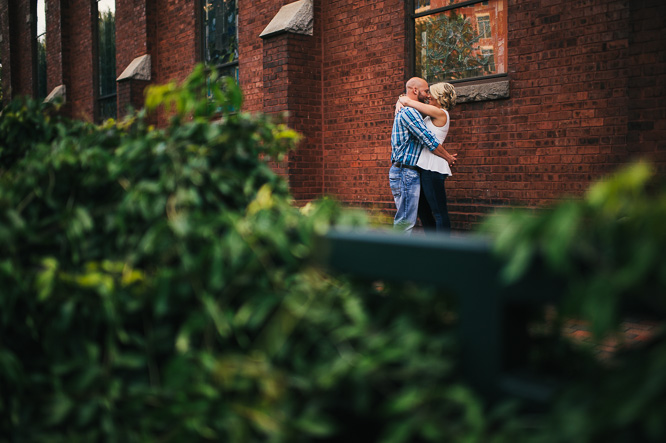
{"x":493,"y":317}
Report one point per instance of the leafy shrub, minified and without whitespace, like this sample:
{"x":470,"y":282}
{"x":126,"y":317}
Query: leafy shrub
{"x":608,"y":249}
{"x":156,"y":286}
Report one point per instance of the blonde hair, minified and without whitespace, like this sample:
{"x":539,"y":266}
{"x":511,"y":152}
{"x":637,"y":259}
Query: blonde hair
{"x":445,"y":94}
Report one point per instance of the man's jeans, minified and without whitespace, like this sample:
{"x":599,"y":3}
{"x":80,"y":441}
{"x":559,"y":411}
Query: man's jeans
{"x":406,"y":188}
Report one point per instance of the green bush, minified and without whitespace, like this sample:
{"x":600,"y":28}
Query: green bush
{"x":608,"y":248}
{"x":157,"y":286}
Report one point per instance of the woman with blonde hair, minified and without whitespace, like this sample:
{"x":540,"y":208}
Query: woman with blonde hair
{"x":433,"y":210}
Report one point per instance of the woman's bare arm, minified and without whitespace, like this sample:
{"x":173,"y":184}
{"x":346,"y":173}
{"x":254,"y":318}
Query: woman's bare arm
{"x":437,"y":115}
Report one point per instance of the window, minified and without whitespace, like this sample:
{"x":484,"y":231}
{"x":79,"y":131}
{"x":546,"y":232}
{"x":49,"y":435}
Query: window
{"x":483,"y":22}
{"x":448,"y":35}
{"x":41,"y":50}
{"x":220,"y":35}
{"x":489,"y":54}
{"x":106,"y":47}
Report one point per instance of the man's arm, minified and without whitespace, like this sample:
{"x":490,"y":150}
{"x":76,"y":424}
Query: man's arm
{"x":416,"y":125}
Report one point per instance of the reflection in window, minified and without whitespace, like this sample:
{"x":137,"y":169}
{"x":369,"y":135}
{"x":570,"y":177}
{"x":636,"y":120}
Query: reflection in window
{"x":421,"y":5}
{"x":429,"y":5}
{"x":107,"y":105}
{"x":220,"y":35}
{"x":447,"y":42}
{"x":484,"y":26}
{"x":490,"y":56}
{"x":41,"y":50}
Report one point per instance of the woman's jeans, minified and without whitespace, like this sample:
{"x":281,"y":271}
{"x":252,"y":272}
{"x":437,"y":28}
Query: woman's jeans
{"x":433,"y":211}
{"x":406,"y":188}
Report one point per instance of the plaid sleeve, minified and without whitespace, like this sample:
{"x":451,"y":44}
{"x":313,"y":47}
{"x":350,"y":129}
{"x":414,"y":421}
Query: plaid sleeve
{"x":416,"y":125}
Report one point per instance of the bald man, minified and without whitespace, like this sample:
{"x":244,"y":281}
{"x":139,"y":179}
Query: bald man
{"x":408,"y":137}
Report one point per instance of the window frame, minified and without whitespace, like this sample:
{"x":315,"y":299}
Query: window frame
{"x":411,"y":35}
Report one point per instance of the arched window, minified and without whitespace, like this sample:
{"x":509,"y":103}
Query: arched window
{"x":41,"y":50}
{"x":220,"y":35}
{"x":106,"y":50}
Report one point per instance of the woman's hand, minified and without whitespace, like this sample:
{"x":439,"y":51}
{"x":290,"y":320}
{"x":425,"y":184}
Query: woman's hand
{"x":441,"y":152}
{"x":404,"y":99}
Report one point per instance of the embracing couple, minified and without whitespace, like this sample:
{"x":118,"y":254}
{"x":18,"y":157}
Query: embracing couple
{"x":419,"y":162}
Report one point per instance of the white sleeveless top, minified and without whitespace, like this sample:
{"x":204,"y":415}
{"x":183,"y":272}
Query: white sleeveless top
{"x":428,"y":160}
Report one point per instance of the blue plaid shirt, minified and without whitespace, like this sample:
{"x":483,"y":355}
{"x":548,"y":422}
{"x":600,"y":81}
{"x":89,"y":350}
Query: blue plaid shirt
{"x":409,"y":136}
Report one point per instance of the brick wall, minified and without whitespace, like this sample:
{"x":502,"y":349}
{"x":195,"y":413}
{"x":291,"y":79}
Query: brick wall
{"x":586,"y":84}
{"x":566,"y":122}
{"x":571,"y":68}
{"x":364,"y":72}
{"x":176,"y":50}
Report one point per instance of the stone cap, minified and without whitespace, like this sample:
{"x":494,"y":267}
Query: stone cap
{"x":139,"y":69}
{"x":482,"y":92}
{"x":297,"y":18}
{"x":59,"y":92}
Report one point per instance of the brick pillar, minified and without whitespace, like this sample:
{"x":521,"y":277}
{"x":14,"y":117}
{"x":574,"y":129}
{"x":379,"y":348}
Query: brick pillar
{"x":80,"y":57}
{"x":133,"y":41}
{"x":18,"y":22}
{"x":5,"y":54}
{"x":58,"y":48}
{"x":292,"y":65}
{"x":130,"y":95}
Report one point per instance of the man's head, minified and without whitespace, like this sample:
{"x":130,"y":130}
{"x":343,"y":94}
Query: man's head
{"x":417,"y":89}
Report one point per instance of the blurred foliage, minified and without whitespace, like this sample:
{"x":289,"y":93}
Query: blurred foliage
{"x":157,"y":286}
{"x":608,"y":249}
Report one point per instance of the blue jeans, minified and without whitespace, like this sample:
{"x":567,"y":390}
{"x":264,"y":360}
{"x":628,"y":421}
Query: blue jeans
{"x":433,"y":211}
{"x":406,"y":188}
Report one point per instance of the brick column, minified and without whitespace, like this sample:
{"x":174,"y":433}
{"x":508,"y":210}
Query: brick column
{"x":131,"y":84}
{"x":5,"y":54}
{"x":292,"y":83}
{"x":18,"y":27}
{"x":135,"y":23}
{"x":58,"y":49}
{"x":80,"y":57}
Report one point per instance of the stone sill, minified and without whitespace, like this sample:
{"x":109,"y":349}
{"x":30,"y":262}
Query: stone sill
{"x":483,"y":91}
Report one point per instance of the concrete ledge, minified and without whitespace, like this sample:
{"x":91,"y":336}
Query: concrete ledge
{"x":139,"y":69}
{"x":297,"y":18}
{"x":59,"y":92}
{"x":482,"y":92}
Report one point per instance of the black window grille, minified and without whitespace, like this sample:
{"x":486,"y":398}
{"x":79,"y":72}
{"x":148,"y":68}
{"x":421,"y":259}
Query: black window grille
{"x":41,"y":50}
{"x":220,"y":36}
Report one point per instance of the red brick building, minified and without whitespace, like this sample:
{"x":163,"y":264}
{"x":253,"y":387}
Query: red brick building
{"x":553,"y":93}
